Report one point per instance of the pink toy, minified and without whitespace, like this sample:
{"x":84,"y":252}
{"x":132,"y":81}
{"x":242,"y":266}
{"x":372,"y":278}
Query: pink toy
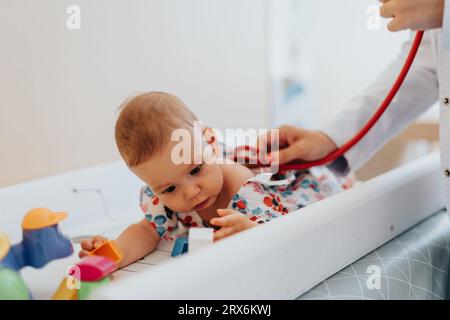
{"x":93,"y":268}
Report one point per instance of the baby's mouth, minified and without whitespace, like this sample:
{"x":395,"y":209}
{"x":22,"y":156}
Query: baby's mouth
{"x":202,"y":204}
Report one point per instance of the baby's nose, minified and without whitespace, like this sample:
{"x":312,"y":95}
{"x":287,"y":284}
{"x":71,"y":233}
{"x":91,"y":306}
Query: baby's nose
{"x":192,"y":192}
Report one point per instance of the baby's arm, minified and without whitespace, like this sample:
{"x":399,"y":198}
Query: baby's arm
{"x":135,"y":242}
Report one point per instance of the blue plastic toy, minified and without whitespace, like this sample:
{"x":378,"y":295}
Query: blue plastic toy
{"x":37,"y":248}
{"x":180,"y":247}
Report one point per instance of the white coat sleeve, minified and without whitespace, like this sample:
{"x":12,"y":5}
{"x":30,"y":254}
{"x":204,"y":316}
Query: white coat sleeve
{"x":446,"y":25}
{"x":418,"y":93}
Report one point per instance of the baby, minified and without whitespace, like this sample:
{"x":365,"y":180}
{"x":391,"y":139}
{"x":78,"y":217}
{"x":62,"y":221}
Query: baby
{"x":226,"y":196}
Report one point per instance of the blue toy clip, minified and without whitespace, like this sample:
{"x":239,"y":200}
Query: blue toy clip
{"x":180,"y":247}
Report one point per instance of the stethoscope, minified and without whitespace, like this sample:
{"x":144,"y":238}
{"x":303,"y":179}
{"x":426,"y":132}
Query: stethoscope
{"x":249,"y":155}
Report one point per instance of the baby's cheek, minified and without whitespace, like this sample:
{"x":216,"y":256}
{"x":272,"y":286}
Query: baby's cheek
{"x":208,"y":156}
{"x":212,"y":176}
{"x":173,"y":203}
{"x":218,"y":182}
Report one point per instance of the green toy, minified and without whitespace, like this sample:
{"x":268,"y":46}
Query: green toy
{"x":12,"y":286}
{"x":86,"y":287}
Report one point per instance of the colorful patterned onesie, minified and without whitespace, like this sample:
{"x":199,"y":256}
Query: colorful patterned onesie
{"x":258,"y":198}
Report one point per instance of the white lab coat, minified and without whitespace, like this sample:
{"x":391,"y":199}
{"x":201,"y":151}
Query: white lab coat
{"x":427,"y":82}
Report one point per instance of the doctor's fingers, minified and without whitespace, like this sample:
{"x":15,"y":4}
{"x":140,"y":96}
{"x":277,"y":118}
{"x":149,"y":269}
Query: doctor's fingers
{"x":395,"y":10}
{"x":396,"y":24}
{"x":293,"y":152}
{"x":283,"y":136}
{"x":267,"y":138}
{"x":388,"y":9}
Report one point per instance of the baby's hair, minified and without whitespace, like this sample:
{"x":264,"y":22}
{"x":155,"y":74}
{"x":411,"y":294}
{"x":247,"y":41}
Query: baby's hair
{"x":146,"y":122}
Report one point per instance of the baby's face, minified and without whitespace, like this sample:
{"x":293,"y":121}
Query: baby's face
{"x":181,"y":187}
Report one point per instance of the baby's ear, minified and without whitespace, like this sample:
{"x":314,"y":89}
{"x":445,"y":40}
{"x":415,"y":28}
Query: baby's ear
{"x":209,"y":135}
{"x":214,"y":141}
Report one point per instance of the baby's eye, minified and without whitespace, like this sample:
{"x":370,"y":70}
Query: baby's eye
{"x":169,"y":189}
{"x":196,"y":170}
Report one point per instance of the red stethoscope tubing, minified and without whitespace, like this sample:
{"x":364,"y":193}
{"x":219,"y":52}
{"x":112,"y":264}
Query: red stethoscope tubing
{"x":301,"y":165}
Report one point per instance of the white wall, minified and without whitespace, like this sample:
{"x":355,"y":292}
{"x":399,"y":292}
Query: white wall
{"x":337,"y":54}
{"x":60,"y":89}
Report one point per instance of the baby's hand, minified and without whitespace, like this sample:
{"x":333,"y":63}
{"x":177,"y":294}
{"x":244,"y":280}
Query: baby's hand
{"x":231,"y":222}
{"x":91,"y":244}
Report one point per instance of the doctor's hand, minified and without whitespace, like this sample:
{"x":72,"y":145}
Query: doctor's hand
{"x":413,"y":14}
{"x":297,"y":143}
